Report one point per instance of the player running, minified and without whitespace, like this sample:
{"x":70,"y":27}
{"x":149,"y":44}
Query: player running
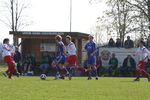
{"x":71,"y":62}
{"x":59,"y":61}
{"x":91,"y":49}
{"x":7,"y":51}
{"x":142,"y":53}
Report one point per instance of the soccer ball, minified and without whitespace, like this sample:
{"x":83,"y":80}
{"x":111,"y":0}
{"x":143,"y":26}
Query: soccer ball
{"x":43,"y":77}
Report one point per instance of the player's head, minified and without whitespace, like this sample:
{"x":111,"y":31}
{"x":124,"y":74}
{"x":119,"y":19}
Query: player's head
{"x":91,"y":37}
{"x":6,"y":41}
{"x":129,"y":55}
{"x":141,"y":43}
{"x":68,"y":39}
{"x":128,"y":37}
{"x":58,"y":38}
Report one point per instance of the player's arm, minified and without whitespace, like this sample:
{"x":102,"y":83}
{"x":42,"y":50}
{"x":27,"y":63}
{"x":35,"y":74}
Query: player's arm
{"x":12,"y":49}
{"x":64,"y":49}
{"x":136,"y":53}
{"x":147,"y":51}
{"x":95,"y":50}
{"x":5,"y":47}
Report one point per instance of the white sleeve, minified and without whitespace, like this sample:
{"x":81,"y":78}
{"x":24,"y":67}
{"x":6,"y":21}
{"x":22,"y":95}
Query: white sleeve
{"x":147,"y":51}
{"x":5,"y":47}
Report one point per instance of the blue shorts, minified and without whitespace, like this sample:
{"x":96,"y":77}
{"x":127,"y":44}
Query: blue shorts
{"x":92,"y":60}
{"x":60,"y":59}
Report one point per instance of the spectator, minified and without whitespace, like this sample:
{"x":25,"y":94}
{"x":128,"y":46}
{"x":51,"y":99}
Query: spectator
{"x":148,"y":42}
{"x":45,"y":63}
{"x":128,"y":43}
{"x":142,"y":39}
{"x":129,"y":66}
{"x":111,"y":43}
{"x":29,"y":63}
{"x":113,"y":62}
{"x":18,"y":58}
{"x":118,"y":43}
{"x":33,"y":61}
{"x":26,"y":63}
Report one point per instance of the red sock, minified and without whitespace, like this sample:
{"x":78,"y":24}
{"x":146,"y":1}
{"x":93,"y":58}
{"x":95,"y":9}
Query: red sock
{"x":81,"y":69}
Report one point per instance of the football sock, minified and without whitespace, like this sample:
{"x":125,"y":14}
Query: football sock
{"x":89,"y":73}
{"x":95,"y":72}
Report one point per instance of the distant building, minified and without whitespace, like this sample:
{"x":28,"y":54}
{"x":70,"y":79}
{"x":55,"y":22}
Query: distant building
{"x":35,"y":42}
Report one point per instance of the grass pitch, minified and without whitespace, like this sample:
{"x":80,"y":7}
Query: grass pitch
{"x":79,"y":88}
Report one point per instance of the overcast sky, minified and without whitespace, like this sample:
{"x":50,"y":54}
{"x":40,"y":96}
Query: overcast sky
{"x":54,"y":15}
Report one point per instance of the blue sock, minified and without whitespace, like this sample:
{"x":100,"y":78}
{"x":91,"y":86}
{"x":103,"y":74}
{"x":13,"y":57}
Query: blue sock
{"x":56,"y":70}
{"x":89,"y":72}
{"x":95,"y":72}
{"x":65,"y":70}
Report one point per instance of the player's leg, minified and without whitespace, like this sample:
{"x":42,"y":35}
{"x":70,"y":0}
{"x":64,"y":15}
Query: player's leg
{"x":94,"y":70}
{"x":69,"y":66}
{"x":139,"y":68}
{"x":71,"y":62}
{"x":145,"y":73}
{"x":6,"y":72}
{"x":89,"y":72}
{"x":82,"y":69}
{"x":62,"y":66}
{"x":93,"y":66}
{"x":6,"y":60}
{"x":71,"y":72}
{"x":56,"y":70}
{"x":70,"y":69}
{"x":89,"y":61}
{"x":13,"y":68}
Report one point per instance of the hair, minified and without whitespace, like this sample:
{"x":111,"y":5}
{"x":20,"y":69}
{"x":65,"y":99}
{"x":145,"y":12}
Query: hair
{"x":68,"y":37}
{"x":58,"y":37}
{"x":5,"y":40}
{"x":142,"y":42}
{"x":91,"y":36}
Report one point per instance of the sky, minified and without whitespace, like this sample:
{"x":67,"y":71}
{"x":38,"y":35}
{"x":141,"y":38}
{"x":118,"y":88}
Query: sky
{"x":54,"y":15}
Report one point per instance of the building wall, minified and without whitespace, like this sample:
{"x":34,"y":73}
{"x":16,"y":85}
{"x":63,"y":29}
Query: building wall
{"x":31,"y":42}
{"x":32,"y":46}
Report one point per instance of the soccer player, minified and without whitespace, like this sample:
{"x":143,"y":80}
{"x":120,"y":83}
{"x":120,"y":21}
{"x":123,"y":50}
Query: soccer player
{"x":7,"y":55}
{"x":91,"y":49}
{"x":142,"y":53}
{"x":59,"y":61}
{"x":71,"y":61}
{"x":12,"y":51}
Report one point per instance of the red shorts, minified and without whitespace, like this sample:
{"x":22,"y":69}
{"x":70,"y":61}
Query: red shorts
{"x":141,"y":64}
{"x":9,"y":59}
{"x":72,"y":60}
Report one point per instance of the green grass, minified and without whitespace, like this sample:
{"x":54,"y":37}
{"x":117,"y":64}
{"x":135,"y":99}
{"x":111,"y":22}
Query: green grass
{"x":32,"y":88}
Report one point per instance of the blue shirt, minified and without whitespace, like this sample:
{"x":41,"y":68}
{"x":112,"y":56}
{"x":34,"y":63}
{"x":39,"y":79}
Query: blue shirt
{"x":60,"y":46}
{"x":90,"y":47}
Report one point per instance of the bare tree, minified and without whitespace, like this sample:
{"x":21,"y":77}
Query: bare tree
{"x":14,"y":15}
{"x":117,"y":18}
{"x":143,"y":7}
